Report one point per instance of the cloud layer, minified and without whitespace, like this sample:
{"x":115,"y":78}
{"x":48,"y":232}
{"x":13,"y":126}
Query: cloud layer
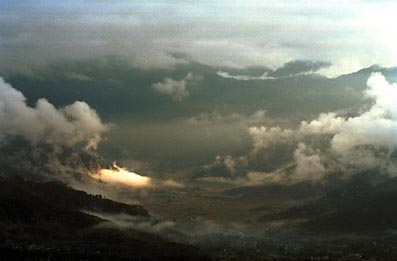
{"x":217,"y":33}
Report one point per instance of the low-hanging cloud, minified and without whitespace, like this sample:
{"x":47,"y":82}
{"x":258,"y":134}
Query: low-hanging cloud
{"x":124,"y":221}
{"x":308,"y":163}
{"x":363,"y":141}
{"x":329,"y":144}
{"x":75,"y":124}
{"x":376,"y":127}
{"x":216,"y":117}
{"x":224,"y":166}
{"x":176,"y":89}
{"x":263,"y":137}
{"x":288,"y":70}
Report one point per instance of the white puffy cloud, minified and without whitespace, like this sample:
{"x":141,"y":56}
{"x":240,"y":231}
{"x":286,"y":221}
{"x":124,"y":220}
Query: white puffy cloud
{"x":365,"y":141}
{"x":176,"y":89}
{"x":308,"y":164}
{"x":326,"y":123}
{"x":376,"y":127}
{"x":384,"y":94}
{"x":224,"y":166}
{"x":71,"y":125}
{"x":263,"y":137}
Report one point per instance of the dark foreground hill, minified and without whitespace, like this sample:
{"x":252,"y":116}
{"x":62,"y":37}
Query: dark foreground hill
{"x":361,"y":205}
{"x":49,"y":221}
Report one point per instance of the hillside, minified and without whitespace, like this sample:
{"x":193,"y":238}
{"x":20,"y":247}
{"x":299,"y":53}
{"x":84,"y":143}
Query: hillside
{"x":361,"y":205}
{"x":49,"y":221}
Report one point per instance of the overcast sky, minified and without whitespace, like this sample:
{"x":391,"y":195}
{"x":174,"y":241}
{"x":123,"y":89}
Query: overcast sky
{"x":349,"y":34}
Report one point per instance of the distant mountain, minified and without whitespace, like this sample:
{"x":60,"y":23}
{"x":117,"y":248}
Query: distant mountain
{"x":377,"y":68}
{"x":49,"y":221}
{"x":357,"y":80}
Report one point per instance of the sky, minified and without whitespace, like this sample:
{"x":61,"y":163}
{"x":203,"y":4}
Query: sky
{"x":219,"y":91}
{"x":348,"y":34}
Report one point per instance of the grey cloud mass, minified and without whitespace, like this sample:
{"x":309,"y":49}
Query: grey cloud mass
{"x":219,"y":33}
{"x":216,"y":117}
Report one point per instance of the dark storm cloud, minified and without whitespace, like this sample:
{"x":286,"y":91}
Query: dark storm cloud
{"x":121,"y":90}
